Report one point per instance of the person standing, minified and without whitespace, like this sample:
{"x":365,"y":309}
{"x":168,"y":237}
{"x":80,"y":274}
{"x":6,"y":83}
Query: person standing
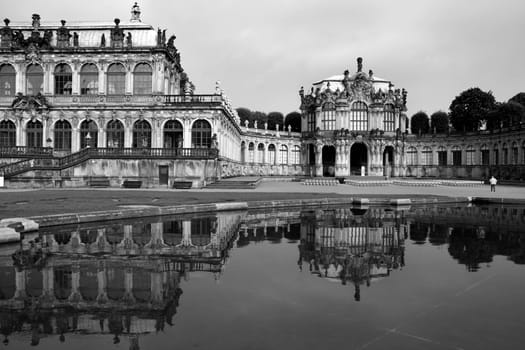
{"x":493,"y":183}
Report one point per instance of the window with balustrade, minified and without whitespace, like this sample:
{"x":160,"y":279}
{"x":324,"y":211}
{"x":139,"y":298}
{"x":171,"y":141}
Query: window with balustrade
{"x":260,"y":153}
{"x":34,"y":80}
{"x":251,"y":152}
{"x":141,"y":134}
{"x":34,"y":133}
{"x":62,"y":135}
{"x":88,"y":134}
{"x":442,"y":156}
{"x":63,"y":79}
{"x":296,"y":155}
{"x":116,"y":79}
{"x":7,"y":133}
{"x":142,"y":79}
{"x":115,"y":134}
{"x":201,"y":134}
{"x":456,"y":156}
{"x":328,"y":116}
{"x":7,"y":80}
{"x":470,"y":155}
{"x":89,"y":79}
{"x":426,"y":156}
{"x":173,"y":134}
{"x":412,"y":156}
{"x":389,"y":119}
{"x":283,"y":154}
{"x":359,"y":117}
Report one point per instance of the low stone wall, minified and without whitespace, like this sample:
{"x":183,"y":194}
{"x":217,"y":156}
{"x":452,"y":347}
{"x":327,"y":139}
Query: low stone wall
{"x":474,"y":172}
{"x":199,"y":172}
{"x":231,"y":168}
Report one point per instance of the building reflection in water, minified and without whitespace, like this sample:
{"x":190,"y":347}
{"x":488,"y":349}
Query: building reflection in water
{"x":123,"y":281}
{"x":119,"y":280}
{"x":353,"y":246}
{"x":474,"y":234}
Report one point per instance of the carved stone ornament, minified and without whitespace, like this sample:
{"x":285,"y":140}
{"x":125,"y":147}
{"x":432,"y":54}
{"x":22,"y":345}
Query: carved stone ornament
{"x":29,"y":103}
{"x":117,"y":35}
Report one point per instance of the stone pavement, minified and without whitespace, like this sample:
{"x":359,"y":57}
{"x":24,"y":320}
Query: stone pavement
{"x":27,"y":203}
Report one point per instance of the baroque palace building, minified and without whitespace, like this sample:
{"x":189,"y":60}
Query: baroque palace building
{"x":109,"y":103}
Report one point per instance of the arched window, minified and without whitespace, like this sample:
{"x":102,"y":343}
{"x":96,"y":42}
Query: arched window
{"x":7,"y":80}
{"x":328,"y":116}
{"x":243,"y":152}
{"x":359,"y":117}
{"x":34,"y":134}
{"x":427,"y":156}
{"x":442,"y":156}
{"x":296,"y":155}
{"x":412,"y":156}
{"x":7,"y":133}
{"x":283,"y":155}
{"x":201,"y":134}
{"x":523,"y":153}
{"x":115,"y":134}
{"x":89,"y":79}
{"x":63,"y":79}
{"x":456,"y":155}
{"x":260,"y":153}
{"x":116,"y":79}
{"x":470,"y":155}
{"x":34,"y":80}
{"x":141,"y":134}
{"x":173,"y":134}
{"x":389,"y":121}
{"x":271,"y":154}
{"x":142,"y":79}
{"x":251,"y":152}
{"x":495,"y":152}
{"x":515,"y":153}
{"x":485,"y":155}
{"x":88,"y":134}
{"x":505,"y":150}
{"x":62,"y":135}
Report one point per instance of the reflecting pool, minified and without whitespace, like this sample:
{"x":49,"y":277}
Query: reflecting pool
{"x":429,"y":277}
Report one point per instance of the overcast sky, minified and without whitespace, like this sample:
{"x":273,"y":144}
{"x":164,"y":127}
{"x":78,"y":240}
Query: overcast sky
{"x":263,"y":51}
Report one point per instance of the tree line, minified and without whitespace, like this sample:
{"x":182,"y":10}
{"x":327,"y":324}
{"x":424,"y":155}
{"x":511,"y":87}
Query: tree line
{"x":472,"y":110}
{"x":273,"y":119}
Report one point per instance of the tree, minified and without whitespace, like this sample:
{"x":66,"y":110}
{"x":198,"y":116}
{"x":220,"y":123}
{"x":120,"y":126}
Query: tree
{"x":293,"y":119}
{"x":419,"y":123}
{"x":261,"y":118}
{"x":275,"y":118}
{"x":519,"y":98}
{"x":439,"y":122}
{"x":470,"y":109}
{"x":244,"y":114}
{"x":504,"y":115}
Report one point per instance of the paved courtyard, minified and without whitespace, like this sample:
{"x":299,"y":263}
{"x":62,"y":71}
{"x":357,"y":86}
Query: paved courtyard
{"x":25,"y":203}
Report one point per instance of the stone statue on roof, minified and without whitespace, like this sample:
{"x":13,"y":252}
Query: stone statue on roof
{"x":135,"y":13}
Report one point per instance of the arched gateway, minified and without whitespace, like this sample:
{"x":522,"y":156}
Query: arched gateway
{"x":358,"y":159}
{"x":328,"y":161}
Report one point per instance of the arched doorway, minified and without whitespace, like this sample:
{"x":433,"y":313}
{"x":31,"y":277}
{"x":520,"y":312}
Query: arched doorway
{"x":328,"y":161}
{"x":388,"y":161}
{"x":358,"y":159}
{"x":311,"y":159}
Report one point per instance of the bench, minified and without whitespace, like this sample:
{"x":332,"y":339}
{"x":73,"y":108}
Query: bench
{"x":182,"y":184}
{"x":132,"y":184}
{"x":99,"y":182}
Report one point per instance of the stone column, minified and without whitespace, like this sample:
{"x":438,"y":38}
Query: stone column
{"x":319,"y":160}
{"x":128,"y":286}
{"x":186,"y":233}
{"x":156,"y":287}
{"x":75,"y":80}
{"x":48,"y":287}
{"x":102,"y":296}
{"x":75,"y":295}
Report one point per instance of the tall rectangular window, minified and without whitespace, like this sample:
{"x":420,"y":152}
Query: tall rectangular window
{"x":328,"y":120}
{"x":389,"y":121}
{"x":485,"y":157}
{"x":311,"y":121}
{"x":456,"y":157}
{"x":442,"y":157}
